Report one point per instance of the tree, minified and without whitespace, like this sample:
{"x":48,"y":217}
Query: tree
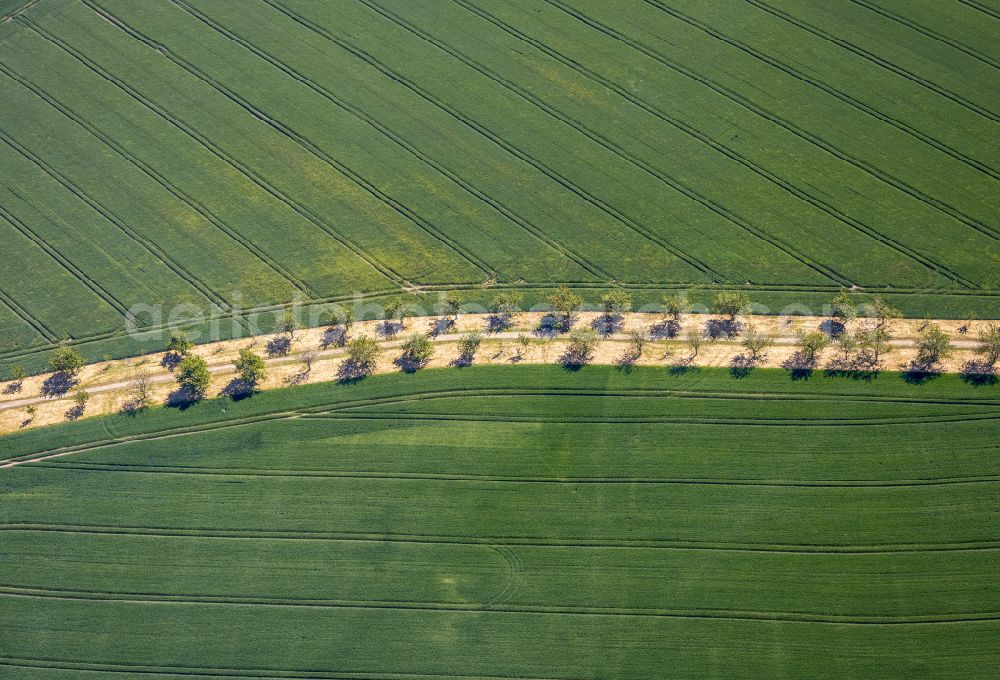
{"x":392,"y":309}
{"x":193,"y":376}
{"x":811,"y":345}
{"x":451,"y":306}
{"x":873,"y":343}
{"x":139,"y":391}
{"x":16,"y":377}
{"x":673,"y":305}
{"x":288,"y":324}
{"x":309,"y":357}
{"x":933,"y":345}
{"x":968,"y":318}
{"x":31,"y":411}
{"x":582,"y":342}
{"x":523,"y":343}
{"x":417,"y":351}
{"x":731,"y":304}
{"x":637,"y":342}
{"x":843,"y":308}
{"x":344,"y":318}
{"x":66,"y":360}
{"x":180,"y":344}
{"x":468,"y":345}
{"x":564,"y":301}
{"x":363,"y":352}
{"x":989,"y":345}
{"x":883,"y":312}
{"x":756,"y":341}
{"x":505,"y":305}
{"x":616,"y":302}
{"x":847,"y":344}
{"x":250,"y":367}
{"x":80,"y":399}
{"x":694,"y":339}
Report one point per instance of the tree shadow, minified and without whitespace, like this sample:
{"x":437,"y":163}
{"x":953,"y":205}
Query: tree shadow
{"x":665,"y":330}
{"x":75,"y":412}
{"x":799,"y":367}
{"x":548,"y":327}
{"x":440,"y":326}
{"x":13,"y":388}
{"x":574,"y":361}
{"x":919,"y":372}
{"x":58,"y":384}
{"x":607,"y":324}
{"x":682,"y":368}
{"x":627,"y":361}
{"x":170,"y":360}
{"x":133,"y":407}
{"x":408,"y":363}
{"x":463,"y":360}
{"x":238,"y":389}
{"x":297,"y":378}
{"x":722,"y":329}
{"x":389,"y":329}
{"x":845,"y":368}
{"x":279,"y":346}
{"x":334,"y":337}
{"x":741,"y":366}
{"x":350,"y":372}
{"x":497,"y":323}
{"x":979,"y":374}
{"x":832,"y":328}
{"x":183,"y":398}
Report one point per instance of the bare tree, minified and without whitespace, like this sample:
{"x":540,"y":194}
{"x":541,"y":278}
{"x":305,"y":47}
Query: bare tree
{"x":694,"y":340}
{"x":140,"y":390}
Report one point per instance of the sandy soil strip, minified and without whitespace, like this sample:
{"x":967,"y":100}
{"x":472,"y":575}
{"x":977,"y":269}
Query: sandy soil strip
{"x":107,"y":382}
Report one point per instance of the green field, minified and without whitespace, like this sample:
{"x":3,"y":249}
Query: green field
{"x":500,"y":523}
{"x":236,"y":155}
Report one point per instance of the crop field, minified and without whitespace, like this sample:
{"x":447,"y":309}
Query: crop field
{"x":513,"y":522}
{"x":234,"y":155}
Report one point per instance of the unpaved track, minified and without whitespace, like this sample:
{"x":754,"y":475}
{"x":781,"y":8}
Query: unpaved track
{"x":107,"y":383}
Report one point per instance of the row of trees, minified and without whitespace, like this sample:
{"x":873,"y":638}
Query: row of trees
{"x":859,"y":342}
